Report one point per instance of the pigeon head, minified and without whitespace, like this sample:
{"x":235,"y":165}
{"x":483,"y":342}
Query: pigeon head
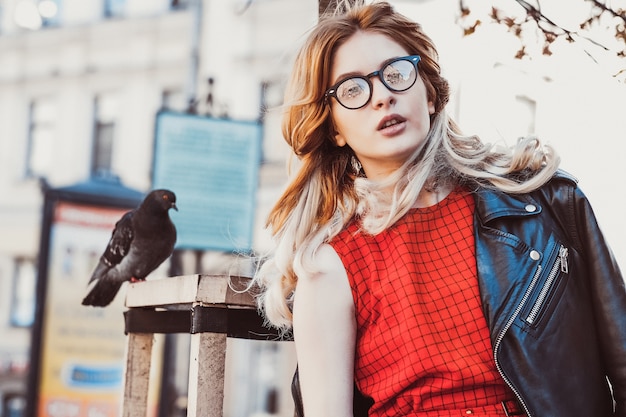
{"x":160,"y":200}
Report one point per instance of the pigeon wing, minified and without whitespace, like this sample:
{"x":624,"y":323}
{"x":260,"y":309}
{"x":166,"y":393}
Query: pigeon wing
{"x":107,"y":282}
{"x":119,"y":244}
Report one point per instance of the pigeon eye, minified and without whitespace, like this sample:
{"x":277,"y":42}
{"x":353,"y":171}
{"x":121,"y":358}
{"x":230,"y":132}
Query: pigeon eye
{"x":165,"y":197}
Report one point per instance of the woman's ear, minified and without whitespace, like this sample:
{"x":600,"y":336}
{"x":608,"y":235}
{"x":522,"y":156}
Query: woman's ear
{"x":340,"y":140}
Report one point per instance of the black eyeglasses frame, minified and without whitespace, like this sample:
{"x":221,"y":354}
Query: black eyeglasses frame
{"x":332,"y":91}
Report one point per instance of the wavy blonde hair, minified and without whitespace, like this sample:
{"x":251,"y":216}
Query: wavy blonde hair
{"x":328,"y":189}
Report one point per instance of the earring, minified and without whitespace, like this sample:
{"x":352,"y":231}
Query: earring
{"x":432,"y":185}
{"x":356,"y":166}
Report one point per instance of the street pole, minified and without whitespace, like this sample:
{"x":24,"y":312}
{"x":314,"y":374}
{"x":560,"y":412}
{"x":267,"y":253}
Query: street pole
{"x":194,"y":61}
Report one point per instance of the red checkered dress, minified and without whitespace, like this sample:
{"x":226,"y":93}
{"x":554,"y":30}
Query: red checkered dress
{"x":422,"y":341}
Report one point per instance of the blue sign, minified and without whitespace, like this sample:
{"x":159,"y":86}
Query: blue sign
{"x":91,"y":376}
{"x":212,"y":166}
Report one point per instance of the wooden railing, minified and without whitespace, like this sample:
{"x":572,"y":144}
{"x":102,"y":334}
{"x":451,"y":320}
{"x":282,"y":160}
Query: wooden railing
{"x":210,"y":308}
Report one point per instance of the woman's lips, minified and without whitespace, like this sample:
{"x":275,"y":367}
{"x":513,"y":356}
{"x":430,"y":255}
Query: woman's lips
{"x":391,"y":125}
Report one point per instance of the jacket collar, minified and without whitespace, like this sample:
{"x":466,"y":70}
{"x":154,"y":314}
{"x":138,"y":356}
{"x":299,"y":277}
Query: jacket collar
{"x":493,"y":204}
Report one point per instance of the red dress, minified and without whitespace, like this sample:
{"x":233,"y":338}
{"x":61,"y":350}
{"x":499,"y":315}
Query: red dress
{"x":422,"y":341}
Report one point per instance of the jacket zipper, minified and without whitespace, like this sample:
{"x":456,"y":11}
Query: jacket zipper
{"x":506,"y":327}
{"x":560,"y":264}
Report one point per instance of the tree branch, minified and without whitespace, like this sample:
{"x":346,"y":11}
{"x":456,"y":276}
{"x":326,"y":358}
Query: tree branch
{"x":550,"y":30}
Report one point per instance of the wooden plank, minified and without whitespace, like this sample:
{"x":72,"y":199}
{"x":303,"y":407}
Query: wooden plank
{"x":212,"y":289}
{"x":240,"y":293}
{"x":223,"y":289}
{"x":137,"y":375}
{"x":206,"y":375}
{"x":164,"y":291}
{"x":187,"y":289}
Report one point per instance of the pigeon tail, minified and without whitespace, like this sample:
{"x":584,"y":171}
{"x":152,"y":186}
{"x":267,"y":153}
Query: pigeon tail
{"x":102,"y":294}
{"x":100,"y":272}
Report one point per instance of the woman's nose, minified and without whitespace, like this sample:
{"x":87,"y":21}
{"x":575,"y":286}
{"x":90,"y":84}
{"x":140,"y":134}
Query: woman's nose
{"x":381,"y":95}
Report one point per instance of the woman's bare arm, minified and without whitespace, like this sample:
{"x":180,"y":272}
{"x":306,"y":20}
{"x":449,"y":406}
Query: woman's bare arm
{"x":325,"y":331}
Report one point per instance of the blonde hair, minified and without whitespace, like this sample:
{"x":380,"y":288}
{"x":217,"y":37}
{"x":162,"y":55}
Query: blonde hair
{"x":328,"y":190}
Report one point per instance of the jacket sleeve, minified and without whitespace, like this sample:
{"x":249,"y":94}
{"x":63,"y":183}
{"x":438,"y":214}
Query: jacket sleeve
{"x":608,"y":293}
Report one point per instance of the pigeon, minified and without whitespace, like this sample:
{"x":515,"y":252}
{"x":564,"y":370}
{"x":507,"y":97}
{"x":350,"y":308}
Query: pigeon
{"x":141,"y":241}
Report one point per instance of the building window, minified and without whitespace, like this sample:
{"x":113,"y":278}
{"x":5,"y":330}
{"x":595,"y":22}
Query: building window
{"x":41,"y":137}
{"x":49,"y":10}
{"x":35,"y":14}
{"x":114,"y":8}
{"x":106,"y":106}
{"x":23,"y":293}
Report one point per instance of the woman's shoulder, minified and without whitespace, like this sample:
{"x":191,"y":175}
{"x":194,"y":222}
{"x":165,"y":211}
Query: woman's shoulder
{"x":328,"y":260}
{"x":558,"y":194}
{"x":349,"y":233}
{"x":562,"y":187}
{"x":562,"y":177}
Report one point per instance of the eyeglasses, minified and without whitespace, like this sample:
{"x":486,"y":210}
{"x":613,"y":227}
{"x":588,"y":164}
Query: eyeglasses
{"x":398,"y":74}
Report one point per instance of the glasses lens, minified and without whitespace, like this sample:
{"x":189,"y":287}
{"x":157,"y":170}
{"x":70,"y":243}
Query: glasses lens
{"x":399,"y":75}
{"x":353,"y":93}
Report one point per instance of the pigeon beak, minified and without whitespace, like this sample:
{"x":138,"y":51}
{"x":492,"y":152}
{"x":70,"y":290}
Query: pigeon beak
{"x":174,"y":206}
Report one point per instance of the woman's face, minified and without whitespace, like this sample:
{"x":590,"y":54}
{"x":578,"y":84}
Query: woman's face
{"x":392,"y":125}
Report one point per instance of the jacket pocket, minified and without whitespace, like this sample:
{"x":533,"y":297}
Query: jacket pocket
{"x":546,"y":287}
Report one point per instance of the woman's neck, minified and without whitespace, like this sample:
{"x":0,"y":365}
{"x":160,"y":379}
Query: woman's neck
{"x":429,"y":197}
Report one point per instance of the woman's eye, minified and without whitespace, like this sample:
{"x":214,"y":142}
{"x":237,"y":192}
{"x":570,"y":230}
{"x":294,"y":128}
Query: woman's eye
{"x":351,"y":90}
{"x":394,"y":77}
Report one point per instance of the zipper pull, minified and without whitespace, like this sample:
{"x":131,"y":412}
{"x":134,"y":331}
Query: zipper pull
{"x":563,"y":254}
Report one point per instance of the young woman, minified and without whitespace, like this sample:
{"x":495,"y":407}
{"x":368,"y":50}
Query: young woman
{"x":442,"y":275}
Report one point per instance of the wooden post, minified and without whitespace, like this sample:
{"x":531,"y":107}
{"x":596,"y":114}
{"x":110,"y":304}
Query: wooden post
{"x":206,"y":375}
{"x":137,"y":375}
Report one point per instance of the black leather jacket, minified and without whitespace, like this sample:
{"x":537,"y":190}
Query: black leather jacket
{"x":554,"y":299}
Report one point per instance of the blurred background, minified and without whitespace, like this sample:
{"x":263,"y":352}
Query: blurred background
{"x":83,"y":84}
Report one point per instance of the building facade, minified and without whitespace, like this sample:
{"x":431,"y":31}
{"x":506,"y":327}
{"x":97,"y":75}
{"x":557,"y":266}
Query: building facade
{"x":81,"y":82}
